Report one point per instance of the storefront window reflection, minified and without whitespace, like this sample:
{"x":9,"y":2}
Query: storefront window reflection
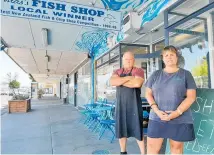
{"x":84,"y":85}
{"x":197,"y":62}
{"x":158,"y":46}
{"x":193,"y":47}
{"x":71,"y":90}
{"x":103,"y":87}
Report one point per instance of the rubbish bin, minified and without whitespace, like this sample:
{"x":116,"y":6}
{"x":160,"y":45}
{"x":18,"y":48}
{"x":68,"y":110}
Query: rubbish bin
{"x":64,"y":100}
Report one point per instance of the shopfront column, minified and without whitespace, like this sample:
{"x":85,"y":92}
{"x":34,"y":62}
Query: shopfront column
{"x":92,"y":79}
{"x":210,"y":26}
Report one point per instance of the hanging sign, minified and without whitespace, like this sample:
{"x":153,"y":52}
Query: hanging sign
{"x":62,"y":12}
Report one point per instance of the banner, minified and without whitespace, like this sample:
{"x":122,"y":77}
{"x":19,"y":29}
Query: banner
{"x":62,"y":12}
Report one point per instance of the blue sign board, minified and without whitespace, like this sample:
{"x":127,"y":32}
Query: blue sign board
{"x":62,"y":12}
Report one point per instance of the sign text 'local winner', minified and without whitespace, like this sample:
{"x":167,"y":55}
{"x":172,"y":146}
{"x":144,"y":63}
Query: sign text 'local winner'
{"x":63,"y":12}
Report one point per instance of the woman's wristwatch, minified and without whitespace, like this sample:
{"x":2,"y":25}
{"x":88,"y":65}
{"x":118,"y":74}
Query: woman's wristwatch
{"x":179,"y":111}
{"x":153,"y":104}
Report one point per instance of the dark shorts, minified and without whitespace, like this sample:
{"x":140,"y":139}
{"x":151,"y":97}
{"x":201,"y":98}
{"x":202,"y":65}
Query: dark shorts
{"x":176,"y":132}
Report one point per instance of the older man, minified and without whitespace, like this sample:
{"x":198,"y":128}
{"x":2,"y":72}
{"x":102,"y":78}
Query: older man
{"x":128,"y":81}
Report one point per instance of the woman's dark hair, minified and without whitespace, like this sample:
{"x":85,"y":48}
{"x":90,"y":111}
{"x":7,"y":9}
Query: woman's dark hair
{"x":170,"y":48}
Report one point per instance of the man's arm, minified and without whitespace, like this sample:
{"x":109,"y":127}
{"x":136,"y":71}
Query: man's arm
{"x":118,"y":81}
{"x":136,"y":82}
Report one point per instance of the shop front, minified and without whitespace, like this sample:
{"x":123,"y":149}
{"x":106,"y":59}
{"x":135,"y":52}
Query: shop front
{"x":189,"y":26}
{"x":192,"y":34}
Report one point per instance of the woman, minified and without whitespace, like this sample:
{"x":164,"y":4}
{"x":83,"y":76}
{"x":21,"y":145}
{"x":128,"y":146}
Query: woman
{"x":170,"y":92}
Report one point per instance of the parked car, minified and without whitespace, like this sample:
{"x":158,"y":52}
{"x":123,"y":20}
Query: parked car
{"x":3,"y":93}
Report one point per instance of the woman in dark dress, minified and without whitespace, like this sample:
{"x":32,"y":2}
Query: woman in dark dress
{"x":170,"y":92}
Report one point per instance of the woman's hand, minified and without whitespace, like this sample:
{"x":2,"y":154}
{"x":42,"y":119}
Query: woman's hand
{"x":162,"y":115}
{"x":172,"y":114}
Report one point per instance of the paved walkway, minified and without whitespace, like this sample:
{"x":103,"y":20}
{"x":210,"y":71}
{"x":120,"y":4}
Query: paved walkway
{"x":4,"y":103}
{"x":52,"y":128}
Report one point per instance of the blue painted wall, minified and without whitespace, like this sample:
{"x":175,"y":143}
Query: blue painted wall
{"x":95,"y":41}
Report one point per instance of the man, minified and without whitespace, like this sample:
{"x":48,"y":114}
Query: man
{"x":128,"y":81}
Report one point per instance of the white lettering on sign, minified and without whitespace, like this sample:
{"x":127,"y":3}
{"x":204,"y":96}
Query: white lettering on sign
{"x":212,"y":122}
{"x":62,"y":12}
{"x":188,"y":144}
{"x":208,"y":125}
{"x":198,"y":100}
{"x":209,"y":148}
{"x":199,"y":128}
{"x":207,"y":106}
{"x":212,"y":151}
{"x":203,"y":110}
{"x":197,"y":147}
{"x":204,"y":146}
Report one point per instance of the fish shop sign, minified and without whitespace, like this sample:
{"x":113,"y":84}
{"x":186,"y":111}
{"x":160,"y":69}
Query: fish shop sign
{"x":62,"y":12}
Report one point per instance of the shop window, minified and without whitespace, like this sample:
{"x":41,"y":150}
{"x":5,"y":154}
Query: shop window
{"x":71,"y":90}
{"x":115,"y":52}
{"x":185,"y":9}
{"x":99,"y":62}
{"x":191,"y":40}
{"x":104,"y":73}
{"x":136,"y":49}
{"x":105,"y":58}
{"x":158,"y":46}
{"x":84,"y":85}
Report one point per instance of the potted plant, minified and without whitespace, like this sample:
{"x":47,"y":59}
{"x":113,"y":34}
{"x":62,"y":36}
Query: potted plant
{"x":19,"y":102}
{"x":40,"y":93}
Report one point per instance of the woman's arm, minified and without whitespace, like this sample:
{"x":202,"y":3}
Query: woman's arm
{"x":149,"y":96}
{"x":150,"y":99}
{"x":190,"y":99}
{"x":190,"y":96}
{"x":185,"y":105}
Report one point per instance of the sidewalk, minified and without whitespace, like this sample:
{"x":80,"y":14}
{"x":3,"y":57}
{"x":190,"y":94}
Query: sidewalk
{"x":52,"y":128}
{"x":4,"y":103}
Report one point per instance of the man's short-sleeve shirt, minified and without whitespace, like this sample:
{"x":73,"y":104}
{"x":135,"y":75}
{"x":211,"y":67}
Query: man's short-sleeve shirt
{"x":135,"y":72}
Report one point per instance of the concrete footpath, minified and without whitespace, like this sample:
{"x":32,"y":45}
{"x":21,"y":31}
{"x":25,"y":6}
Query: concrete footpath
{"x":53,"y":128}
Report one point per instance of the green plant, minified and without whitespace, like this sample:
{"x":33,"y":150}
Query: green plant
{"x":40,"y":93}
{"x":20,"y":97}
{"x":201,"y":69}
{"x":14,"y":85}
